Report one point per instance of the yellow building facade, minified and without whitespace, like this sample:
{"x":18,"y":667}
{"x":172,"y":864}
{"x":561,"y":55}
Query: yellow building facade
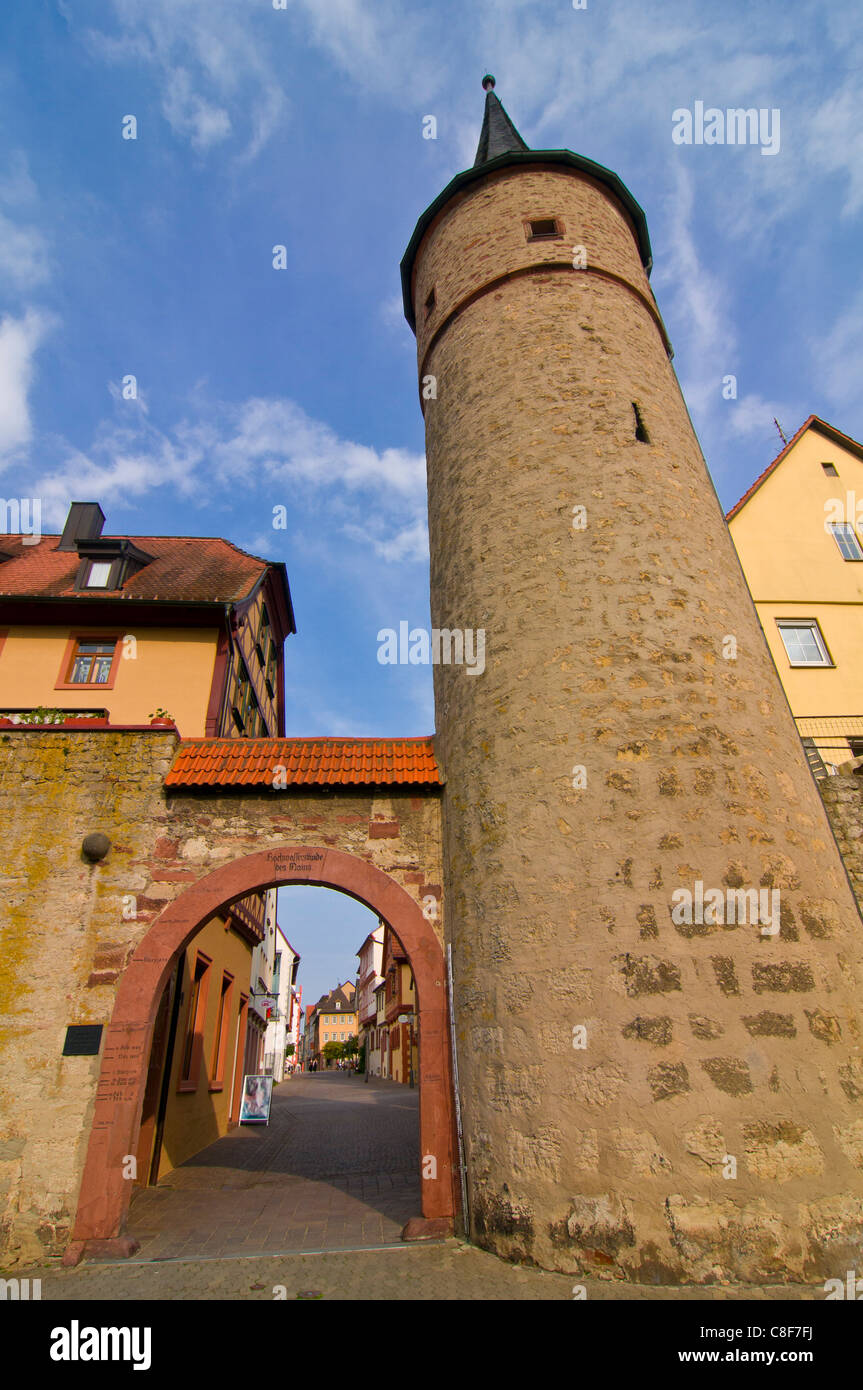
{"x":799,"y":535}
{"x":206,"y":1065}
{"x":334,"y":1019}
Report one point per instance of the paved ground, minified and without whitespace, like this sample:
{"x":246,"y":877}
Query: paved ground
{"x":280,"y":1212}
{"x":439,"y":1271}
{"x":336,"y":1168}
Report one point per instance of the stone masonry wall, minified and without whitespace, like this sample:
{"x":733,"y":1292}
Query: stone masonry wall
{"x":843,"y":799}
{"x":64,"y":939}
{"x":611,"y":753}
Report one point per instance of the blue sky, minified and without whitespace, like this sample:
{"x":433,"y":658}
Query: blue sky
{"x":303,"y":127}
{"x":327,"y":929}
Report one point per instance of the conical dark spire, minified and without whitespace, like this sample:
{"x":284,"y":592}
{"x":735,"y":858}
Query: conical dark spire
{"x":498,"y":135}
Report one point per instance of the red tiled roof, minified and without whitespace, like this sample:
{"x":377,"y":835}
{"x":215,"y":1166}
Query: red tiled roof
{"x":251,"y":762}
{"x":814,"y":422}
{"x":203,"y":569}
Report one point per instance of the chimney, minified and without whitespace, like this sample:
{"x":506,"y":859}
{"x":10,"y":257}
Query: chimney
{"x":84,"y":523}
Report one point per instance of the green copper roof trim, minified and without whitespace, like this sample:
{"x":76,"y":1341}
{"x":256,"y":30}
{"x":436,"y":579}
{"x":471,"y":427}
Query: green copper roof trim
{"x":523,"y":157}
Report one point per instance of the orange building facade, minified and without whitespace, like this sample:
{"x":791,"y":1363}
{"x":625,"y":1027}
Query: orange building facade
{"x":124,"y":632}
{"x":122,"y":627}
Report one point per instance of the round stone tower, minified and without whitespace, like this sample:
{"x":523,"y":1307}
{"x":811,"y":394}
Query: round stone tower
{"x":657,"y":954}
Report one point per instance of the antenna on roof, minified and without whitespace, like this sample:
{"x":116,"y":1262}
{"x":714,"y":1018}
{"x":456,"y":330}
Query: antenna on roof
{"x":779,"y":427}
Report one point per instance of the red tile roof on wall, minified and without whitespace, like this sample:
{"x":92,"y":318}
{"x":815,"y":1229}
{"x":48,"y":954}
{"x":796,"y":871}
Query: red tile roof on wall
{"x":251,"y":762}
{"x":814,"y":422}
{"x":188,"y":569}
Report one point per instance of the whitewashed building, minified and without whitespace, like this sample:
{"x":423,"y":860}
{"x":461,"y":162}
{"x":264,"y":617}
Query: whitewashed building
{"x":283,"y":1020}
{"x":370,"y":956}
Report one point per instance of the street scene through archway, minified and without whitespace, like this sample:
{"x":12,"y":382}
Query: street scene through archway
{"x":317,"y":1116}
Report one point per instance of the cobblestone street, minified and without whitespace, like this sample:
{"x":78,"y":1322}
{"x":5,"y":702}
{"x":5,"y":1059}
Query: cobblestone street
{"x":336,"y":1168}
{"x":301,"y":1206}
{"x":428,"y":1271}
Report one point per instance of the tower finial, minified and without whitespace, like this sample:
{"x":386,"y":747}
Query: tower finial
{"x":498,"y":135}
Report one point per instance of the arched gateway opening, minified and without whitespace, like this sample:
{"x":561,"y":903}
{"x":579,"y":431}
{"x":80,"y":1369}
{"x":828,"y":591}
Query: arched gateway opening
{"x":103,"y":1205}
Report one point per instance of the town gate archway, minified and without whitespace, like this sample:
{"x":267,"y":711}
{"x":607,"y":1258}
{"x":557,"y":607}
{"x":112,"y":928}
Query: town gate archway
{"x":105,"y":1192}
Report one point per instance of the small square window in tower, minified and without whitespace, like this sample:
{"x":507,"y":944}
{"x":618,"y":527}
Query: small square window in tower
{"x":544,"y":229}
{"x":640,"y":428}
{"x":430,"y":302}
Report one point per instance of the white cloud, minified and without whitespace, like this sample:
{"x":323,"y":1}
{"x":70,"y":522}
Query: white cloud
{"x":16,"y":184}
{"x":276,"y":436}
{"x":266,"y":445}
{"x":703,"y":302}
{"x":835,"y":141}
{"x":753,"y":416}
{"x":409,"y":542}
{"x":24,"y":260}
{"x":24,"y":255}
{"x":700,"y":300}
{"x":837,"y":361}
{"x":19,"y":341}
{"x":214,"y":63}
{"x":392,"y":313}
{"x":406,"y":60}
{"x":189,"y":114}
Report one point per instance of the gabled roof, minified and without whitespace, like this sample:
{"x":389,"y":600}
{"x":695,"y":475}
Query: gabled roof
{"x":185,"y":569}
{"x":393,"y":949}
{"x":375,"y":936}
{"x":281,"y":933}
{"x":336,"y":1002}
{"x":815,"y":423}
{"x":212,"y":762}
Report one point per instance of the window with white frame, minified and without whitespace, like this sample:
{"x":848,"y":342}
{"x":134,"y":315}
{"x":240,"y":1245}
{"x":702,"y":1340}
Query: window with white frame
{"x":98,"y":574}
{"x":846,"y":538}
{"x":804,"y":643}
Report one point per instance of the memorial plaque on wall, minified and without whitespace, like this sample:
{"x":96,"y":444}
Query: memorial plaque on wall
{"x":83,"y":1040}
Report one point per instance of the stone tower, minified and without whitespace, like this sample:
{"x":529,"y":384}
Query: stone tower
{"x":648,"y":1092}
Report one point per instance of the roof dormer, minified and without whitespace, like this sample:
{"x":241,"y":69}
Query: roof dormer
{"x":107,"y":562}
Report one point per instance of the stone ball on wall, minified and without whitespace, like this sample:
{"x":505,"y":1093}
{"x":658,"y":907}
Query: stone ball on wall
{"x":95,"y":846}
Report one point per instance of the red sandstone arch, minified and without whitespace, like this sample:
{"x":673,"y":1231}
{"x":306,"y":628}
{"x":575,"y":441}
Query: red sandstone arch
{"x":103,"y":1201}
